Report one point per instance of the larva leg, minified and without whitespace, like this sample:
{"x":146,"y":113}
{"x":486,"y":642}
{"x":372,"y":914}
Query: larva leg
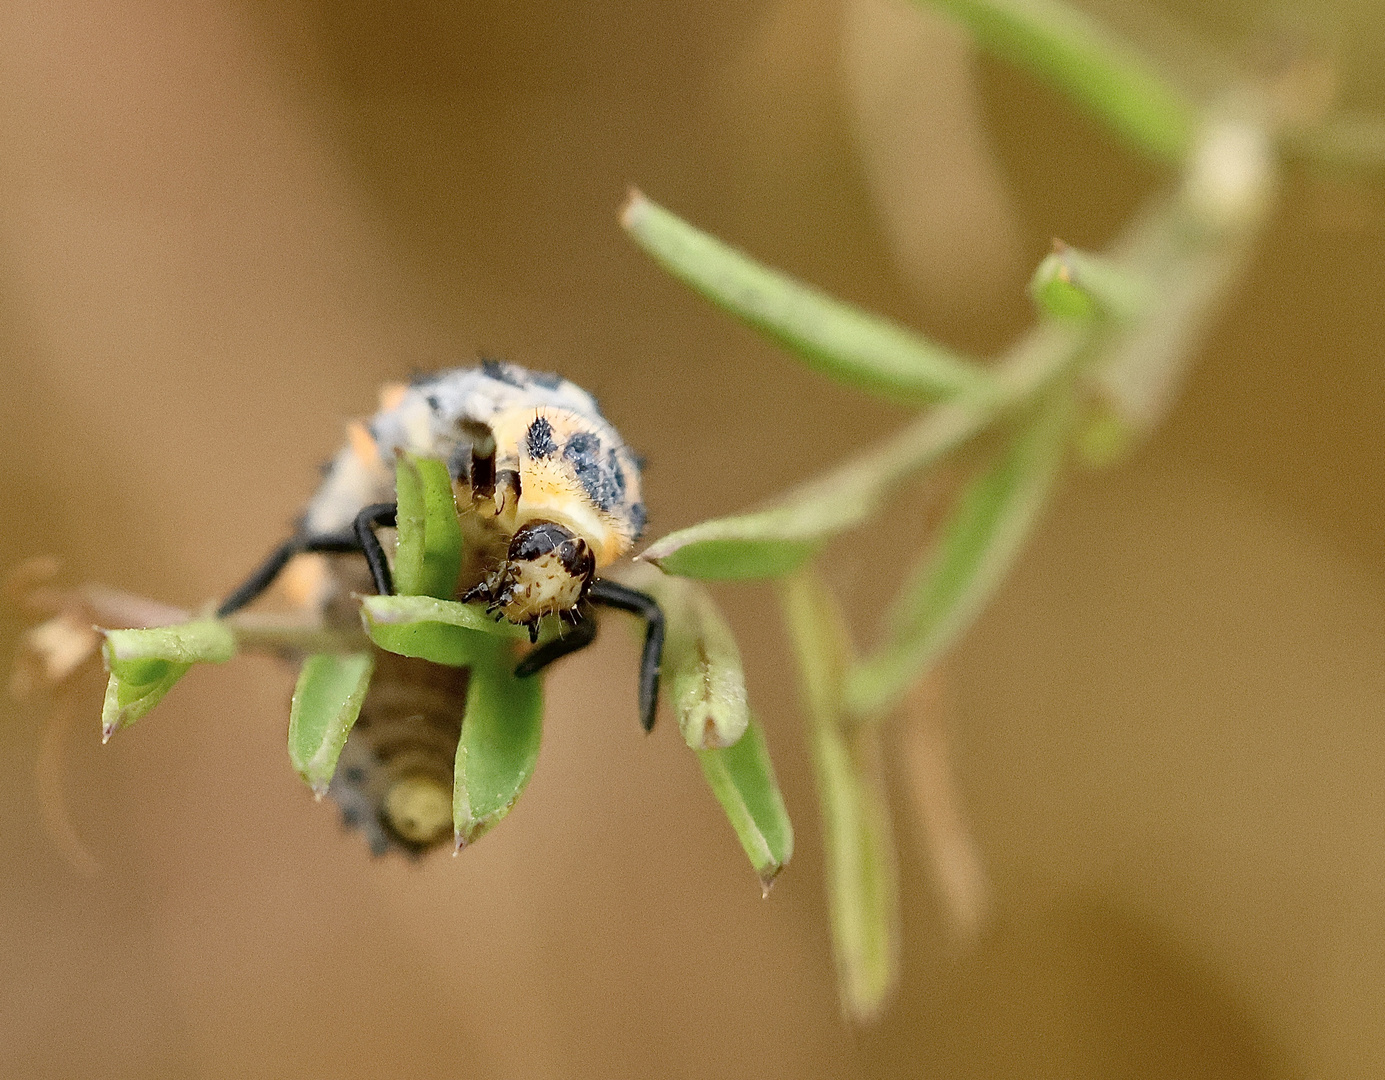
{"x":611,"y":594}
{"x":270,"y":569}
{"x":581,"y":635}
{"x":369,"y":543}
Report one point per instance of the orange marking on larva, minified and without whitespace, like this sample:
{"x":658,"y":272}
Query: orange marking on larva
{"x":362,"y":443}
{"x":391,"y":394}
{"x":305,"y":580}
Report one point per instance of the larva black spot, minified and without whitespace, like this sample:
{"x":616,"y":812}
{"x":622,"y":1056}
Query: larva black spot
{"x":506,"y":373}
{"x":617,"y":473}
{"x":583,"y":453}
{"x":539,"y":439}
{"x":638,"y":517}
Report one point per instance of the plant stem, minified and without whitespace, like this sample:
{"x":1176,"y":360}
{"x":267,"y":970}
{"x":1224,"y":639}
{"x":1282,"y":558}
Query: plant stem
{"x":1088,"y":63}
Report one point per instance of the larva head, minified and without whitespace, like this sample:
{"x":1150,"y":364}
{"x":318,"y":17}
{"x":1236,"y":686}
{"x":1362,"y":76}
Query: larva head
{"x":547,"y":571}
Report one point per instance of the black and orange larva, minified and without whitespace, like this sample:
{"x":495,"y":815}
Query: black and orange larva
{"x":548,"y":495}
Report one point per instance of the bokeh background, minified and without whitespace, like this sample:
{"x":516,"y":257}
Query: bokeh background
{"x":223,"y":224}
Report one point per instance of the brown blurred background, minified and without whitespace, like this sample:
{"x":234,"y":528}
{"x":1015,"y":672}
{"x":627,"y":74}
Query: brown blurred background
{"x":222,"y":225}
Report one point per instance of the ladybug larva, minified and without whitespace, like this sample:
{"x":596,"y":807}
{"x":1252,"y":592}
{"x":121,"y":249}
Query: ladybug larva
{"x":548,"y":495}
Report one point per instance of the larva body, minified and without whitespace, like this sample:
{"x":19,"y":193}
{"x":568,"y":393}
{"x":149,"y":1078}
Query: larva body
{"x":547,"y":495}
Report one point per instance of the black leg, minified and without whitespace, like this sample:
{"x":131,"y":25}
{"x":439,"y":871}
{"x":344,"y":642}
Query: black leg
{"x":483,"y":469}
{"x":270,"y":569}
{"x":581,"y":635}
{"x":366,"y":520}
{"x":611,"y":594}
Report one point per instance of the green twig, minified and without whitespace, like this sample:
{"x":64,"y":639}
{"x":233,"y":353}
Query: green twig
{"x":1086,"y":61}
{"x":838,"y":339}
{"x":975,"y":550}
{"x":777,"y":540}
{"x":858,"y":837}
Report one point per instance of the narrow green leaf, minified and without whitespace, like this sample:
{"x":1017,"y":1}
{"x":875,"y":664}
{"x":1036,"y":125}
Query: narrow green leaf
{"x":1056,"y":294}
{"x":822,"y":645}
{"x":862,"y":881}
{"x":1105,"y":439}
{"x":429,"y":551}
{"x":1189,"y":262}
{"x":205,"y":641}
{"x":840,"y":340}
{"x":862,"y":877}
{"x":410,"y":526}
{"x":743,"y":547}
{"x":145,"y":664}
{"x":702,"y":677}
{"x":1345,"y":141}
{"x":1073,"y":284}
{"x":1091,"y":65}
{"x":740,"y":548}
{"x":776,"y":541}
{"x":742,"y":779}
{"x":440,"y":642}
{"x":138,"y":688}
{"x":498,"y":748}
{"x":977,"y":546}
{"x":399,"y":610}
{"x":325,"y":705}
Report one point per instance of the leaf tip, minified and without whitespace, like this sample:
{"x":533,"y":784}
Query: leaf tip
{"x":768,"y":877}
{"x":107,"y":730}
{"x":656,"y":552}
{"x":634,"y":209}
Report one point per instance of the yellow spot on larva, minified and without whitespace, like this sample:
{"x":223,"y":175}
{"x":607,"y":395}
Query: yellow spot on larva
{"x":362,"y":444}
{"x":305,"y":580}
{"x":391,"y":394}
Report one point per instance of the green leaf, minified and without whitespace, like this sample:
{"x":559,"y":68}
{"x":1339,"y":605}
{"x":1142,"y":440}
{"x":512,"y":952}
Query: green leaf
{"x":977,"y":545}
{"x":500,"y":732}
{"x":1096,"y":69}
{"x":838,"y":339}
{"x":443,"y":631}
{"x":145,"y":664}
{"x":325,"y":705}
{"x":1189,"y":262}
{"x":862,"y":877}
{"x":776,"y":541}
{"x":701,"y":675}
{"x":745,"y":547}
{"x":1105,"y":438}
{"x":401,"y":610}
{"x":398,"y":611}
{"x":862,"y":880}
{"x":453,"y":643}
{"x":742,"y":779}
{"x":1073,"y":284}
{"x":429,"y":552}
{"x":498,"y":748}
{"x":205,"y":641}
{"x":1346,"y":141}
